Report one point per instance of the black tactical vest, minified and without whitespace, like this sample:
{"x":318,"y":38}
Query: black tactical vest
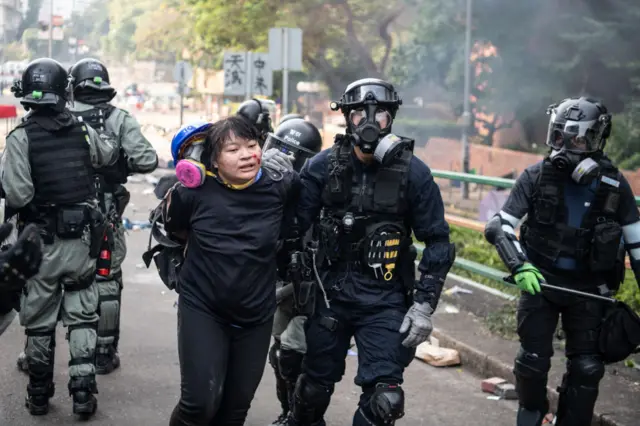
{"x":60,"y":163}
{"x":373,"y":204}
{"x":546,"y":234}
{"x":96,"y":117}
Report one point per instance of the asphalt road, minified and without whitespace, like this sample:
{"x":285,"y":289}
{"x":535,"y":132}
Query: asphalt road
{"x":145,"y":389}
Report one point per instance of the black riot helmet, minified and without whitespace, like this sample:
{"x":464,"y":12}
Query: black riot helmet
{"x":298,"y":137}
{"x":91,"y":73}
{"x":289,"y":117}
{"x":257,"y":113}
{"x":578,"y":130}
{"x":44,"y":82}
{"x":369,"y":106}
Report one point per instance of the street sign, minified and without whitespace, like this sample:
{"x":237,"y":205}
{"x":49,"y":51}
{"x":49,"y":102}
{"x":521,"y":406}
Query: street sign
{"x":261,"y":75}
{"x":277,"y":38}
{"x":235,"y":70}
{"x":182,"y":72}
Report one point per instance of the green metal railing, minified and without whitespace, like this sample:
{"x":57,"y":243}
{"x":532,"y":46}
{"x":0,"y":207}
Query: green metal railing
{"x":468,"y":265}
{"x":475,"y":267}
{"x":497,"y":182}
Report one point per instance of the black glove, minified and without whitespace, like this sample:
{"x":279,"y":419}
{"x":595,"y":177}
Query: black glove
{"x":20,"y":261}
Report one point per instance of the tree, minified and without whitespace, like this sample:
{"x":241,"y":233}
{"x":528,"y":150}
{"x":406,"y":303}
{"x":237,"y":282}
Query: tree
{"x":162,"y":33}
{"x":343,"y":39}
{"x":545,"y":51}
{"x":30,"y":18}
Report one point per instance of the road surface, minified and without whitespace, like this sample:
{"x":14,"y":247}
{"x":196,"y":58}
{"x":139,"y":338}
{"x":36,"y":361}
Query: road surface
{"x":145,"y":389}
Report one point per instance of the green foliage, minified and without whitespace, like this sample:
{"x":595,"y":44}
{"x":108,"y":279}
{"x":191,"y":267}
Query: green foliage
{"x":342,"y":41}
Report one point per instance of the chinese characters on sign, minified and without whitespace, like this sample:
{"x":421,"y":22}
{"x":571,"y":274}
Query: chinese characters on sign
{"x":247,"y":72}
{"x":261,"y":75}
{"x":235,"y":69}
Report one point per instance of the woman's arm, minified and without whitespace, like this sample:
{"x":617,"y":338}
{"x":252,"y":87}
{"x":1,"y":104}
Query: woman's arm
{"x":176,"y":211}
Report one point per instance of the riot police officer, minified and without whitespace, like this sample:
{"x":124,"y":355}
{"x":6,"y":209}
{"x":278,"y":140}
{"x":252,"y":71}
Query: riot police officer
{"x":289,"y":117}
{"x":580,"y":208}
{"x":18,"y":262}
{"x":372,"y":193}
{"x":301,"y":140}
{"x":92,"y":92}
{"x":256,"y":112}
{"x":47,"y":176}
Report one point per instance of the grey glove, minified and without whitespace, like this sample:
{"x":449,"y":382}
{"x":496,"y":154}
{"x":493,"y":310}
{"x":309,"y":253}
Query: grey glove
{"x":419,"y":319}
{"x":277,"y":160}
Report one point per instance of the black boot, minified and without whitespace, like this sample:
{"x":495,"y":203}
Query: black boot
{"x":39,"y":390}
{"x":82,"y":389}
{"x":107,"y":359}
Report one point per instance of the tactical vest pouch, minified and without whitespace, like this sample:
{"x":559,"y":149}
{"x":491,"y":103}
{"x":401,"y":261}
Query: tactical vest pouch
{"x":607,"y":237}
{"x":547,"y":206}
{"x":329,"y":240}
{"x":98,"y":228}
{"x":383,"y":247}
{"x":71,"y":221}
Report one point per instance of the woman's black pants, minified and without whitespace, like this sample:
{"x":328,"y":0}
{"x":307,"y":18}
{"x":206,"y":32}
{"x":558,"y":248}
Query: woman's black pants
{"x":221,"y":367}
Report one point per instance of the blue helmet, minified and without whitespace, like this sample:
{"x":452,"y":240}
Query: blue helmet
{"x":186,"y":135}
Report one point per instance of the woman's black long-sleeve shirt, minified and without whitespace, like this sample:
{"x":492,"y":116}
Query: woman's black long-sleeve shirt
{"x":229,"y":270}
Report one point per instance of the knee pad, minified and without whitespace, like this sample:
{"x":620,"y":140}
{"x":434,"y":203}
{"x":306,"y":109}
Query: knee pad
{"x":531,"y":366}
{"x":531,"y":373}
{"x":586,"y":370}
{"x":273,"y":356}
{"x":311,"y":401}
{"x":191,"y":173}
{"x":387,"y":403}
{"x":290,"y":364}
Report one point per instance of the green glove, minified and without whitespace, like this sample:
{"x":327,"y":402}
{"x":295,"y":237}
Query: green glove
{"x":528,"y":278}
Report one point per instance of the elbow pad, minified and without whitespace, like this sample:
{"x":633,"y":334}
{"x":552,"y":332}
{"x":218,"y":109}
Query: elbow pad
{"x":506,"y":243}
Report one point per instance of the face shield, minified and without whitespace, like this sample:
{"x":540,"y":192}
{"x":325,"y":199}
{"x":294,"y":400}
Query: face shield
{"x":300,"y":154}
{"x":571,"y":135}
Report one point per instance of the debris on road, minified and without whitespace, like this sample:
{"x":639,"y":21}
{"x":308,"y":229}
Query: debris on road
{"x":499,"y":387}
{"x":437,"y":356}
{"x":456,"y":289}
{"x":135,"y":225}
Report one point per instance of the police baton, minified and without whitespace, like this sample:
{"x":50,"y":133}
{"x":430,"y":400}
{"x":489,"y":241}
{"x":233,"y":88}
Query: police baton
{"x":509,"y":280}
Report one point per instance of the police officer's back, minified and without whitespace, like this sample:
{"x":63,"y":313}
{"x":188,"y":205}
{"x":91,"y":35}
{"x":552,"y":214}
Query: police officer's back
{"x":93,"y":92}
{"x":578,"y":207}
{"x":47,"y":176}
{"x":373,"y":193}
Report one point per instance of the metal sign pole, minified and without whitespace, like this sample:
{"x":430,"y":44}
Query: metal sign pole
{"x":181,"y":88}
{"x":285,"y":72}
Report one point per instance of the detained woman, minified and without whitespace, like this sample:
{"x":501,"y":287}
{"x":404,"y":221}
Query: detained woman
{"x":231,"y":219}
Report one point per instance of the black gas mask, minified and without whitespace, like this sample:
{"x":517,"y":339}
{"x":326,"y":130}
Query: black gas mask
{"x":577,"y":133}
{"x":369,"y":107}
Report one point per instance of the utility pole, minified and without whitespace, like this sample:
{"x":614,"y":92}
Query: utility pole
{"x":466,"y":116}
{"x":51,"y":29}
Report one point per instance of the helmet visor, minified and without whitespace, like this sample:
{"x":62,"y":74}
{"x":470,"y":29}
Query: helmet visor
{"x":579,"y":137}
{"x":300,"y":154}
{"x":359,"y":94}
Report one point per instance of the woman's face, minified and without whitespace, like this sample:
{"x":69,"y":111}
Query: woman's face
{"x":239,"y":160}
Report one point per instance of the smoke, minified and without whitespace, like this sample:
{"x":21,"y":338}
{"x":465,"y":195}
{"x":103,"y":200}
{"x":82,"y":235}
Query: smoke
{"x":545,"y":51}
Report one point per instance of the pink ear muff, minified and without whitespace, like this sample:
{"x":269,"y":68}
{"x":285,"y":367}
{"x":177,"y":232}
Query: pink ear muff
{"x":190,"y":173}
